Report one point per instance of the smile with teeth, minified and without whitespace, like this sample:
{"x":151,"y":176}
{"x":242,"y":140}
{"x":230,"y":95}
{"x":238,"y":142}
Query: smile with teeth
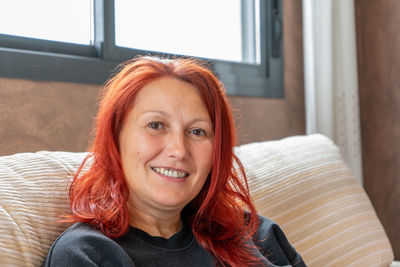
{"x":170,"y":172}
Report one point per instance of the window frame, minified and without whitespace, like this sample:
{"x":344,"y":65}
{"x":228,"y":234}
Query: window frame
{"x":36,"y":59}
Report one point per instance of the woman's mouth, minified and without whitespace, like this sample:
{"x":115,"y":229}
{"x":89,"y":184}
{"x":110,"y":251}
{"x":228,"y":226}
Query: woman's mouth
{"x":170,"y":172}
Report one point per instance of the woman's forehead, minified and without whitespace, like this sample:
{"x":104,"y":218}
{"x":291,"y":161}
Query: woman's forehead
{"x":168,"y":96}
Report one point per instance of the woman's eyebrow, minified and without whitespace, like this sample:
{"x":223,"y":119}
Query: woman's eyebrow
{"x":167,"y":115}
{"x":201,"y":120}
{"x":159,"y":112}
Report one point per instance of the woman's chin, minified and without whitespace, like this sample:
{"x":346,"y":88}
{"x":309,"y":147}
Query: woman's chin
{"x":170,"y":203}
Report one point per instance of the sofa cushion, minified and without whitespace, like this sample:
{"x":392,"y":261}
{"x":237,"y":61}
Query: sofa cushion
{"x":300,"y":182}
{"x":304,"y":185}
{"x":33,"y":195}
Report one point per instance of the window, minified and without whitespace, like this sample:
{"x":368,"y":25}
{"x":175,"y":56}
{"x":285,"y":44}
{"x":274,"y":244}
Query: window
{"x":84,"y":40}
{"x":34,"y":20}
{"x":187,"y":33}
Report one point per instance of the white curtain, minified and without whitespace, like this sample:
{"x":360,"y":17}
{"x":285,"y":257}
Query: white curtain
{"x":331,"y":84}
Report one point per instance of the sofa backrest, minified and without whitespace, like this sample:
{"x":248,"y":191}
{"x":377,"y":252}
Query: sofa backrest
{"x":33,"y":196}
{"x":300,"y":182}
{"x":304,"y":185}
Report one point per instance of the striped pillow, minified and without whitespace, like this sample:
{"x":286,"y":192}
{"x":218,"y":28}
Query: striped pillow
{"x":300,"y":182}
{"x":33,"y":194}
{"x":303,"y":184}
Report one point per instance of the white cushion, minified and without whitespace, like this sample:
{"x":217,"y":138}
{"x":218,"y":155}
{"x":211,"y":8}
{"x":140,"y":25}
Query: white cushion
{"x":300,"y":182}
{"x":304,"y":185}
{"x":33,"y":196}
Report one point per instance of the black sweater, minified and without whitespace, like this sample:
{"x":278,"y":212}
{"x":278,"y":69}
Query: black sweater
{"x":82,"y":245}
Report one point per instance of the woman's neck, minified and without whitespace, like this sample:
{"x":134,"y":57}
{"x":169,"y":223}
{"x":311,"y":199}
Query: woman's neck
{"x":164,"y":224}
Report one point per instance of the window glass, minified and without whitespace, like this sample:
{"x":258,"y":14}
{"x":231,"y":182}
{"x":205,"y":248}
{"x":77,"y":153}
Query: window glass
{"x":206,"y":28}
{"x":66,"y":21}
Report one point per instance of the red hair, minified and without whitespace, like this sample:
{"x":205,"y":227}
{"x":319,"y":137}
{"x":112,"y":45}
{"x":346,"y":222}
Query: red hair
{"x":217,"y":214}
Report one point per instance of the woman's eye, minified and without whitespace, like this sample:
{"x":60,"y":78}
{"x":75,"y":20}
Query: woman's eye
{"x":156,"y":125}
{"x":198,"y":132}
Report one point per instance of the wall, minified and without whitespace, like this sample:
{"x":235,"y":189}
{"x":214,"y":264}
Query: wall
{"x":41,"y":115}
{"x":378,"y":39}
{"x":45,"y":115}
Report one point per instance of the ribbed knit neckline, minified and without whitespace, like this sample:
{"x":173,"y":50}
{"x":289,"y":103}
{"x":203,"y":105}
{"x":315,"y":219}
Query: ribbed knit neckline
{"x":177,"y":241}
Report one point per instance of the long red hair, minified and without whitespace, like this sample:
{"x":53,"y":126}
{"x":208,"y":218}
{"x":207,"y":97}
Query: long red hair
{"x":217,"y":215}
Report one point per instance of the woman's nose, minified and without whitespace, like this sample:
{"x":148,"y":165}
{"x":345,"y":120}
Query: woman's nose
{"x":176,"y":146}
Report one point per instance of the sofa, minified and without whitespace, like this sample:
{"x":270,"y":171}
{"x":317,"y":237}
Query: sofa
{"x":300,"y":182}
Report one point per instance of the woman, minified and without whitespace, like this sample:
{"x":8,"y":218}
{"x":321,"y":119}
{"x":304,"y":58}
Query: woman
{"x":162,"y":190}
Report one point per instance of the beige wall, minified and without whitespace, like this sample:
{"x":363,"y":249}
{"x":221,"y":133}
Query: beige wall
{"x":40,"y":115}
{"x":45,"y":115}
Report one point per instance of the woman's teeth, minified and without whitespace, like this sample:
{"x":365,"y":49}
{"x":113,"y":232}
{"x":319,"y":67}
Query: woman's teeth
{"x":170,"y":172}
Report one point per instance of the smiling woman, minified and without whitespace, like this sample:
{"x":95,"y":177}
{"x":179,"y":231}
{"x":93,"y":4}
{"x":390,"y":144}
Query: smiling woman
{"x":166,"y":152}
{"x":162,"y":189}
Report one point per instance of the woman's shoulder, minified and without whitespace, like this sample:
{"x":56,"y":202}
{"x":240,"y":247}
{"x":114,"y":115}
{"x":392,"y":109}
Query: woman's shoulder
{"x":78,"y":231}
{"x":274,"y":244}
{"x":80,"y":234}
{"x":83,"y":244}
{"x":266,"y":226}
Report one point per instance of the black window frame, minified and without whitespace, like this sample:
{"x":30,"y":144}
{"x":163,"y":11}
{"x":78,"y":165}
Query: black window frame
{"x":36,"y":59}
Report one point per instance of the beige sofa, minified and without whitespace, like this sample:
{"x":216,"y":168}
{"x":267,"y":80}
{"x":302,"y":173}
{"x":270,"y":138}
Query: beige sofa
{"x":300,"y":182}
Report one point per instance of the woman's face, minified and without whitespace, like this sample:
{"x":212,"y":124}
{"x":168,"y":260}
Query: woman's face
{"x":166,"y":145}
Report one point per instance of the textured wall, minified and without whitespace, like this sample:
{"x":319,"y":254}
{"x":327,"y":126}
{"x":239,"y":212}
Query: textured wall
{"x":36,"y":115}
{"x":45,"y":115}
{"x":378,"y":39}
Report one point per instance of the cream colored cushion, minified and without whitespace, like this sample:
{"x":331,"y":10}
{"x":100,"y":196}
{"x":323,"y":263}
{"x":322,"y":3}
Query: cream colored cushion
{"x":33,"y":194}
{"x":303,"y":184}
{"x":300,"y":182}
